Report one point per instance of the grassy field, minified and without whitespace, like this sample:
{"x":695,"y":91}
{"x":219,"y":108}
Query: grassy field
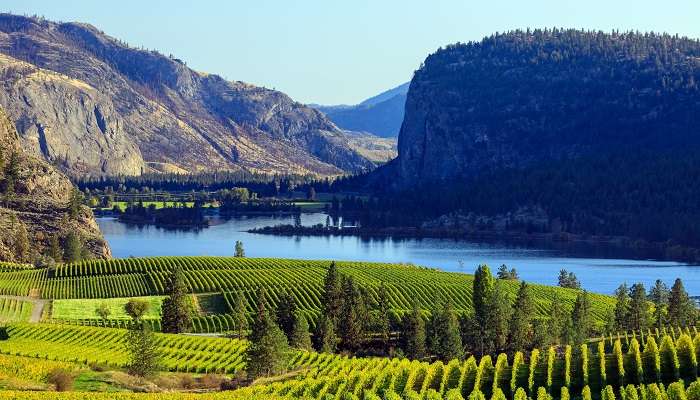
{"x":86,"y":308}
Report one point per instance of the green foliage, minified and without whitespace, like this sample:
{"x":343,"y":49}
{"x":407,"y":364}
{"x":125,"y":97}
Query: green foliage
{"x":608,"y":393}
{"x":581,"y":318}
{"x":534,"y":358}
{"x":239,"y":251}
{"x":601,"y":363}
{"x":413,"y":333}
{"x":564,"y":393}
{"x":447,"y":344}
{"x":520,"y":394}
{"x":72,"y":248}
{"x":136,"y":308}
{"x":586,"y":393}
{"x":176,"y":311}
{"x":676,"y":391}
{"x":287,"y":314}
{"x":681,"y":309}
{"x":583,"y":365}
{"x":619,"y":362}
{"x":651,"y":361}
{"x":669,"y":360}
{"x":687,"y":360}
{"x":327,"y":341}
{"x":268,"y":351}
{"x":240,"y":318}
{"x":520,"y":328}
{"x":693,"y":392}
{"x":636,"y":373}
{"x":143,"y":351}
{"x":301,"y":338}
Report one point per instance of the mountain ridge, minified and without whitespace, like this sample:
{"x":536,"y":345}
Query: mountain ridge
{"x":152,"y":111}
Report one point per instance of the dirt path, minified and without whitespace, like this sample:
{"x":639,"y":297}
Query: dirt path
{"x":38,"y":304}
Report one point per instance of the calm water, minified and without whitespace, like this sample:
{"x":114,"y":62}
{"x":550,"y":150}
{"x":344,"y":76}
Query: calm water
{"x":537,"y":265}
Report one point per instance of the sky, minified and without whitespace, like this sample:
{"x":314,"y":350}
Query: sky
{"x":340,"y":51}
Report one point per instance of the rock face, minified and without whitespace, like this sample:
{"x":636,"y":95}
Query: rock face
{"x":38,"y":203}
{"x":98,"y":106}
{"x":522,"y":98}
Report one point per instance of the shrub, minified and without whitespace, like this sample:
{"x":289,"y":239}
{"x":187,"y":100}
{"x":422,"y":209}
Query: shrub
{"x":608,"y":393}
{"x":651,"y":361}
{"x":687,"y":360}
{"x":631,"y":392}
{"x":211,"y":381}
{"x":520,"y":394}
{"x":564,"y":393}
{"x":187,"y":382}
{"x":542,"y":394}
{"x":669,"y":360}
{"x":62,"y":379}
{"x":676,"y":391}
{"x":636,"y":372}
{"x":586,"y":393}
{"x":498,"y":395}
{"x":693,"y":392}
{"x":476,"y":395}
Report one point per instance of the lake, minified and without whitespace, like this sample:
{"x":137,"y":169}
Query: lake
{"x":598,"y":274}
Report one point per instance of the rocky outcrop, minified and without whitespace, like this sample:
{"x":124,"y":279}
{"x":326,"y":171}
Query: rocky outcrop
{"x":34,"y":204}
{"x":526,"y":97}
{"x":98,"y":106}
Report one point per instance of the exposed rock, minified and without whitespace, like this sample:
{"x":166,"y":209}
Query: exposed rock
{"x":39,"y":203}
{"x":100,"y":106}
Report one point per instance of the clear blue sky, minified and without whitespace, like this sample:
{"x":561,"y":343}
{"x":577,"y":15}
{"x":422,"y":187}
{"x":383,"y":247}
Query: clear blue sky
{"x":333,"y":51}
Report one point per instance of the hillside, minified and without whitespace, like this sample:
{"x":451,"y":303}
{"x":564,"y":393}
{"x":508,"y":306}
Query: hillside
{"x":35,"y":204}
{"x":94,"y":105}
{"x":380,"y":115}
{"x":595,"y":132}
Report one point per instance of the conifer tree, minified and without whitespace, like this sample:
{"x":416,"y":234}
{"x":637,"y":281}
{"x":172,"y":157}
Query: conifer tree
{"x":72,"y":248}
{"x":413,"y":333}
{"x":286,"y":314}
{"x":176,"y":316}
{"x":500,"y":310}
{"x":681,"y":310}
{"x":383,"y":326}
{"x":622,"y":307}
{"x":559,"y":318}
{"x":639,"y":317}
{"x":581,"y":319}
{"x":240,"y":315}
{"x":21,"y":243}
{"x":268,"y":351}
{"x":659,"y":294}
{"x":239,"y":251}
{"x":447,"y":341}
{"x":482,"y":297}
{"x":55,"y":249}
{"x":520,"y":326}
{"x":332,"y":294}
{"x":301,"y":338}
{"x":351,"y":323}
{"x":326,"y":340}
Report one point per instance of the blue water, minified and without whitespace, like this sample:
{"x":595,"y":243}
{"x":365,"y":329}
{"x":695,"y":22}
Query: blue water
{"x":597,"y":274}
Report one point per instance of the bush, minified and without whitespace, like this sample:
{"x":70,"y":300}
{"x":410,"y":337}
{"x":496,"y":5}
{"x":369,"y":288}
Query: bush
{"x":686,"y":357}
{"x":676,"y":391}
{"x":211,"y":381}
{"x":693,"y":392}
{"x":564,"y":393}
{"x":631,"y":392}
{"x":586,"y":393}
{"x":651,"y":361}
{"x":669,"y":360}
{"x":636,"y":372}
{"x":520,"y":394}
{"x":608,"y":393}
{"x":187,"y":382}
{"x":542,"y":394}
{"x":62,"y":379}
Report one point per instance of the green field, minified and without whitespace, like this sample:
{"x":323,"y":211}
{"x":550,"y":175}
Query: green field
{"x":15,"y":310}
{"x":86,"y":308}
{"x":134,"y":277}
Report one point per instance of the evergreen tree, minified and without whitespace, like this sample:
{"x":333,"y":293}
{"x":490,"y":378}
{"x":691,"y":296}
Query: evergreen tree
{"x":500,"y":310}
{"x":21,"y":243}
{"x":568,"y":280}
{"x":681,"y":309}
{"x":413,"y":333}
{"x":239,"y":251}
{"x":448,"y":341}
{"x":326,"y":340}
{"x":581,"y":319}
{"x":351,"y":323}
{"x":639,"y":318}
{"x":176,"y":316}
{"x":332,"y":294}
{"x":520,"y":326}
{"x":506,"y":274}
{"x":240,"y":315}
{"x":75,"y":203}
{"x":72,"y":248}
{"x":287,"y":314}
{"x":55,"y":249}
{"x":557,"y":322}
{"x":144,"y":357}
{"x":268,"y":351}
{"x":622,"y":308}
{"x":482,"y":296}
{"x":301,"y":338}
{"x":659,"y":295}
{"x":383,"y":325}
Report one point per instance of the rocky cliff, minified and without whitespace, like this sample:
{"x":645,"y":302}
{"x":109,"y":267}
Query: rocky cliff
{"x":35,"y":204}
{"x":97,"y":106}
{"x":519,"y":99}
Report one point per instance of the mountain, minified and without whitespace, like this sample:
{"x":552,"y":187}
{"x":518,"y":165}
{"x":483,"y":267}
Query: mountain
{"x":35,"y":204}
{"x":380,"y":115}
{"x":94,"y":105}
{"x":596,"y":131}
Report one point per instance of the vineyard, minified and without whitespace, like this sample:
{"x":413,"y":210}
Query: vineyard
{"x":642,"y":359}
{"x":135,"y":277}
{"x":15,"y":310}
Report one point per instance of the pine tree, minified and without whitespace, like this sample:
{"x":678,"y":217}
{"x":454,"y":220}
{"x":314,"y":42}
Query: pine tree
{"x":286,"y":314}
{"x":301,"y":338}
{"x":581,"y":319}
{"x":144,"y":357}
{"x":21,"y":243}
{"x":176,"y":316}
{"x":520,"y":326}
{"x":500,"y":310}
{"x":72,"y":248}
{"x":448,"y":345}
{"x":332,"y":294}
{"x":558,"y":320}
{"x":681,"y":310}
{"x":326,"y":340}
{"x":239,"y":251}
{"x":383,"y":326}
{"x":55,"y":249}
{"x":659,"y":294}
{"x":622,"y":308}
{"x":351,"y":324}
{"x":413,"y":333}
{"x":240,"y":315}
{"x":639,"y":317}
{"x":268,"y":351}
{"x":75,"y":203}
{"x":482,"y":295}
